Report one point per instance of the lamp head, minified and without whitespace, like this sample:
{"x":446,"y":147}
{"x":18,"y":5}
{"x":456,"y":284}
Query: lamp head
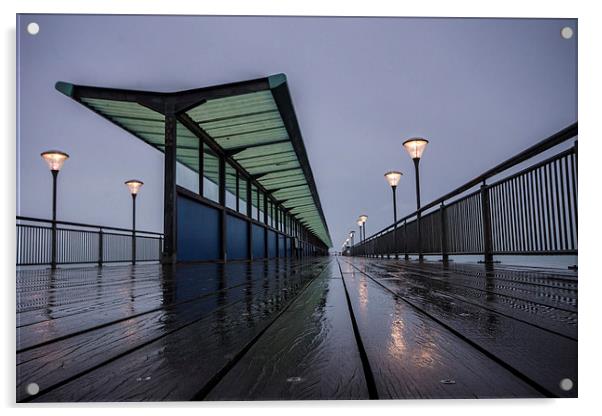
{"x":415,"y":147}
{"x":393,"y":177}
{"x":55,"y":159}
{"x":134,"y":186}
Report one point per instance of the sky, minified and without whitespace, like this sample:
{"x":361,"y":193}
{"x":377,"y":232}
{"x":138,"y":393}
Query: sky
{"x":480,"y":90}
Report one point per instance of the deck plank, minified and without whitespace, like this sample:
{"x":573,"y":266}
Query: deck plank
{"x":272,"y":330}
{"x":310,"y":353}
{"x":559,"y":320}
{"x":177,"y":366}
{"x":414,"y":357}
{"x":187,"y":284}
{"x":541,"y":356}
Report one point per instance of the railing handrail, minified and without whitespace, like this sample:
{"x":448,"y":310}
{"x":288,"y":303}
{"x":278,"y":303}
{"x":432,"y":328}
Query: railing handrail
{"x":77,"y":224}
{"x":538,"y":148}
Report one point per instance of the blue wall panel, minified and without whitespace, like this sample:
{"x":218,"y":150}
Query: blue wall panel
{"x":258,"y":242}
{"x":198,"y":231}
{"x":272,"y":243}
{"x":281,"y":243}
{"x":236,"y":241}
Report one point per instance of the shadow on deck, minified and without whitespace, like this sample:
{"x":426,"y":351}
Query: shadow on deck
{"x":346,"y":328}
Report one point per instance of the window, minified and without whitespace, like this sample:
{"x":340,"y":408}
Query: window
{"x":270,"y":213}
{"x":242,"y":195}
{"x":187,"y":167}
{"x":260,"y":214}
{"x":254,"y":202}
{"x":230,"y":187}
{"x":210,"y":175}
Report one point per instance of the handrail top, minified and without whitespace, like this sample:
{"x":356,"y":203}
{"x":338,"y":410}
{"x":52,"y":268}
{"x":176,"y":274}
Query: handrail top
{"x":77,"y":224}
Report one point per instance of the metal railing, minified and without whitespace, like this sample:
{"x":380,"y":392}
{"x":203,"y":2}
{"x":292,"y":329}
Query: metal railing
{"x":530,"y":212}
{"x":78,"y":243}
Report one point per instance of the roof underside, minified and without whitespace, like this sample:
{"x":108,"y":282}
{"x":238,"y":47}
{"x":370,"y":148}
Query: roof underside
{"x":257,"y":129}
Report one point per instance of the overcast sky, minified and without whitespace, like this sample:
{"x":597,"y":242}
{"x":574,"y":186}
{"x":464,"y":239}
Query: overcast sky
{"x":480,"y":90}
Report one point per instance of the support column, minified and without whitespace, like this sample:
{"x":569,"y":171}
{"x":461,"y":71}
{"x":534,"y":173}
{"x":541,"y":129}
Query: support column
{"x":276,"y":226}
{"x":249,"y":222}
{"x":201,"y":165}
{"x":222,"y":201}
{"x":170,"y":230}
{"x":265,"y":226}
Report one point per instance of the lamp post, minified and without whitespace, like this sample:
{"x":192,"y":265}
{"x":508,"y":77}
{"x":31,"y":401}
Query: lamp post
{"x":415,"y":147}
{"x":351,"y":234}
{"x":363,"y":218}
{"x":134,"y":186}
{"x":55,"y":160}
{"x":393,"y":178}
{"x":360,"y":223}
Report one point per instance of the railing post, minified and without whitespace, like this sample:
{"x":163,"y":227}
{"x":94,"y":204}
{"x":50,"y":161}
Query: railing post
{"x":405,"y":240}
{"x":443,"y":214}
{"x":486,"y":216}
{"x":100,"y":247}
{"x":160,"y":247}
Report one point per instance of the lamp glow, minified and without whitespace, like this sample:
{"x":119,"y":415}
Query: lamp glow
{"x":393,"y":177}
{"x":134,"y":186}
{"x":55,"y":159}
{"x":363,"y":218}
{"x":415,"y":147}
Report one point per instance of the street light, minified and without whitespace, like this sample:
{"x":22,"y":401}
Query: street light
{"x":351,"y":234}
{"x":55,"y":160}
{"x":134,"y":186}
{"x":415,"y":148}
{"x":363,"y":219}
{"x":393,"y":178}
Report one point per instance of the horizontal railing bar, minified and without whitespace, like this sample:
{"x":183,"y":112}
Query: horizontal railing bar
{"x":76,"y":224}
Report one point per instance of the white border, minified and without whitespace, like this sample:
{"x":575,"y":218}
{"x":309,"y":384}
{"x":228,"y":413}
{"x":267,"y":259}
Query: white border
{"x":590,"y":72}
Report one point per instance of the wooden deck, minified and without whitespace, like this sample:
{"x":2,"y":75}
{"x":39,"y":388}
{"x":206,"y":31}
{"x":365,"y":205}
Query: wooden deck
{"x":325,"y":328}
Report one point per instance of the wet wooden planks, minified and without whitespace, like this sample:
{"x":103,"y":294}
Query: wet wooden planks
{"x":61,"y":318}
{"x":310,"y":352}
{"x":118,"y":354}
{"x":412,"y":356}
{"x":518,"y":339}
{"x":284,"y":330}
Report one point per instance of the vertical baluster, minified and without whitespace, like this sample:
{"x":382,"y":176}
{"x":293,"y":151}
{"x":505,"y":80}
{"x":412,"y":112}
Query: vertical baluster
{"x":574,"y":177}
{"x":568,"y":197}
{"x":541,"y":215}
{"x":563,"y":205}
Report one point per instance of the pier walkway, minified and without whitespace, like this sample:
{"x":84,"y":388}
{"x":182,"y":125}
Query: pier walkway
{"x":322,"y":328}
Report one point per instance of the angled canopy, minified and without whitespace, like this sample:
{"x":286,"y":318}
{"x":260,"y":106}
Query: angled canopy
{"x":253,"y":122}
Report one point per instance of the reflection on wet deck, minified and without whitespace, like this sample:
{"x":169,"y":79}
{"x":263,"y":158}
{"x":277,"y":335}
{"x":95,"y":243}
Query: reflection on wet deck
{"x":280,"y":329}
